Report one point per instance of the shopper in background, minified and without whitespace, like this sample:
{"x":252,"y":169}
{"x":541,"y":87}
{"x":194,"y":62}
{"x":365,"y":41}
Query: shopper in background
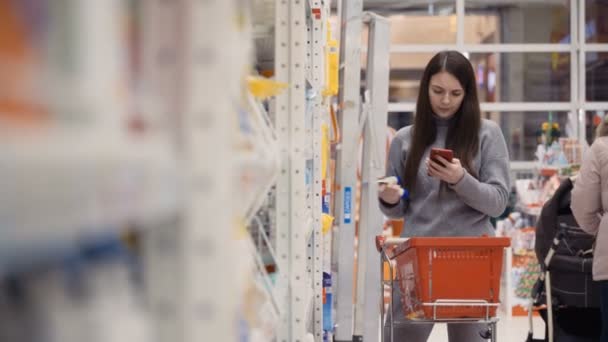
{"x":589,"y":203}
{"x":447,"y":198}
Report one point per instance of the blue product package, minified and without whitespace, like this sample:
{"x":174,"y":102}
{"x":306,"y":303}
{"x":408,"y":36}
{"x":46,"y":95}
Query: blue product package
{"x":328,"y":324}
{"x":347,"y":204}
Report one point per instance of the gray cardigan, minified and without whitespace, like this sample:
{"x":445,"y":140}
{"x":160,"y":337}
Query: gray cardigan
{"x":462,"y":209}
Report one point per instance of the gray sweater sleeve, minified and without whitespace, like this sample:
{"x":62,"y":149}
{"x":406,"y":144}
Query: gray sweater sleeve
{"x":490,"y":193}
{"x":395,"y":168}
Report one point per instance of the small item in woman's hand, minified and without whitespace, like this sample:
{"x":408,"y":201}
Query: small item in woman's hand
{"x":388,"y":180}
{"x":391,"y":181}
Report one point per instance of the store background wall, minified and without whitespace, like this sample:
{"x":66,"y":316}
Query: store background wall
{"x":503,"y":77}
{"x":531,"y":77}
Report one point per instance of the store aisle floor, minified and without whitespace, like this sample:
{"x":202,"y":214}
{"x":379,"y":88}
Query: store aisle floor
{"x":514,"y":329}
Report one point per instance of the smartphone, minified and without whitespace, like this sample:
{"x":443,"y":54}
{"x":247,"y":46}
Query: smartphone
{"x":445,"y":153}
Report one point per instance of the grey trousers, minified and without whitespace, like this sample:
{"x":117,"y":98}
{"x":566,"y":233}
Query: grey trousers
{"x":420,"y":332}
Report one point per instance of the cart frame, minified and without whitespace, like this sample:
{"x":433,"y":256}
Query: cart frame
{"x":382,"y":245}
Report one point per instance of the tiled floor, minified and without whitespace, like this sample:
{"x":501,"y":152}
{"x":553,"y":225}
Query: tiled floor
{"x":514,"y":329}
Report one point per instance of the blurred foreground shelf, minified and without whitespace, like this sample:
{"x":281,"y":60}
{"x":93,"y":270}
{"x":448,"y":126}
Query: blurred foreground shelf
{"x":57,"y":193}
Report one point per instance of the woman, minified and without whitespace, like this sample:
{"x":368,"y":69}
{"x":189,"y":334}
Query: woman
{"x":454,"y":198}
{"x":589,"y":203}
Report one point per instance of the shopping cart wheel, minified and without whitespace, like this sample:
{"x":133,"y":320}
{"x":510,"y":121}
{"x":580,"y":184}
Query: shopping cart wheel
{"x":486,"y":334}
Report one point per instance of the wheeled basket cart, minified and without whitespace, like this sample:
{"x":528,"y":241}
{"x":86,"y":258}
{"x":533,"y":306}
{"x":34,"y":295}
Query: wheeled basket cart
{"x":442,"y":280}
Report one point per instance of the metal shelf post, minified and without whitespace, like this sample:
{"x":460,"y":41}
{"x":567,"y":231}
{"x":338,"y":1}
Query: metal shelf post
{"x":348,"y":116}
{"x":290,"y":61}
{"x":369,"y":299}
{"x":316,"y":65}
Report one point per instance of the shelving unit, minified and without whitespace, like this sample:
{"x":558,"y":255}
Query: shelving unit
{"x":221,"y":175}
{"x":74,"y":176}
{"x":138,"y":157}
{"x":296,"y":58}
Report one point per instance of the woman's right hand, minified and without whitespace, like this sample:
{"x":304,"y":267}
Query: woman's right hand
{"x":390,"y":193}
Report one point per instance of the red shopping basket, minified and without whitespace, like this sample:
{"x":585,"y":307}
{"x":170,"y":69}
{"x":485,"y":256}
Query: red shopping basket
{"x":450,"y":277}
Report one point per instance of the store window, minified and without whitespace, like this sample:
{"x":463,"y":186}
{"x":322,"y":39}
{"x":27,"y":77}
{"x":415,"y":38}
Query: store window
{"x":398,"y":120}
{"x":432,"y":23}
{"x":523,"y":131}
{"x":596,"y":21}
{"x":521,"y":77}
{"x":517,"y":22}
{"x":521,"y":52}
{"x":596,"y":75}
{"x":501,"y":77}
{"x":406,"y":70}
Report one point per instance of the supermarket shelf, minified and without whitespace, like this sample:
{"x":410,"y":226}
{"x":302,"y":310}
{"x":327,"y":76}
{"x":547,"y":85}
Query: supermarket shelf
{"x":58,"y":192}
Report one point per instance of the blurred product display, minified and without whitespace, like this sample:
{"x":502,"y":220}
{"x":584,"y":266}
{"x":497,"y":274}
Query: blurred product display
{"x":179,"y":170}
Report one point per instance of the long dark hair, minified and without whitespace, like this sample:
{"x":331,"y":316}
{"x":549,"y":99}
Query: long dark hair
{"x":462,"y":136}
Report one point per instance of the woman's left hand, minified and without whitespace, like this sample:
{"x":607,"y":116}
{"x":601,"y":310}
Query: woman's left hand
{"x":450,"y":173}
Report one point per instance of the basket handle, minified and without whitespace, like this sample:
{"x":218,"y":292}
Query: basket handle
{"x":383,"y":242}
{"x":380,"y":240}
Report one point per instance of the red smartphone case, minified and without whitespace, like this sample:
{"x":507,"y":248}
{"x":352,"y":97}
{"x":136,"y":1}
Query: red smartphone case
{"x":445,"y":153}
